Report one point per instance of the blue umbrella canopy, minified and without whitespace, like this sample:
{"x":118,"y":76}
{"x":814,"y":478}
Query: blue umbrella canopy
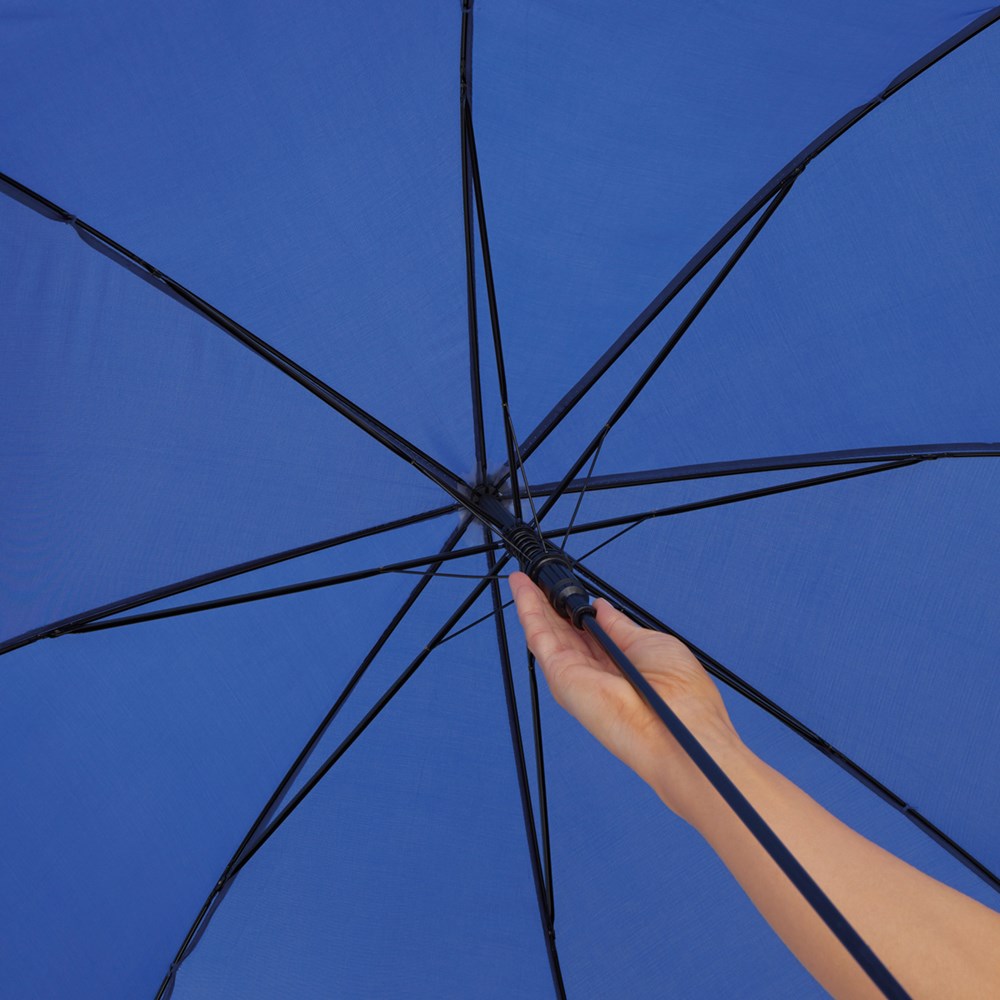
{"x":250,"y":385}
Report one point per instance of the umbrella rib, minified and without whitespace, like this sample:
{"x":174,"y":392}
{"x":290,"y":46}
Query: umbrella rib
{"x":582,"y":493}
{"x":471,"y":625}
{"x":449,"y":481}
{"x":748,"y":691}
{"x":83,"y":618}
{"x":543,"y":799}
{"x":510,"y":438}
{"x":664,"y":352}
{"x":404,"y":566}
{"x":707,"y":252}
{"x":634,"y":520}
{"x":630,"y":521}
{"x":475,"y":381}
{"x":542,"y":885}
{"x":274,"y":801}
{"x":710,"y":470}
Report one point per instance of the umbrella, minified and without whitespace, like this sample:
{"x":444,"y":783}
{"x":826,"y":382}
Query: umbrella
{"x":347,"y":280}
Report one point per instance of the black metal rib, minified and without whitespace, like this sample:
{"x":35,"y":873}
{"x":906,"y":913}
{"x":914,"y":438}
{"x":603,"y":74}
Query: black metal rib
{"x":475,"y":381}
{"x":527,"y":486}
{"x":664,"y":352}
{"x":430,"y":561}
{"x":630,"y":521}
{"x":370,"y":716}
{"x":728,"y":677}
{"x":543,"y":798}
{"x":581,"y":494}
{"x":777,"y":463}
{"x":471,"y":625}
{"x":558,"y":412}
{"x":82,"y":618}
{"x":491,"y":298}
{"x":633,"y":520}
{"x":449,"y":481}
{"x":517,"y":742}
{"x":267,"y":813}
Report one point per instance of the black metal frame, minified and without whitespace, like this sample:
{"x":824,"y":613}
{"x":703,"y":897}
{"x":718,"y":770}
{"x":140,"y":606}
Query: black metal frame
{"x":482,"y":501}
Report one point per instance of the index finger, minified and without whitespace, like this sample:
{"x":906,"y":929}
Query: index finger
{"x":547,"y":634}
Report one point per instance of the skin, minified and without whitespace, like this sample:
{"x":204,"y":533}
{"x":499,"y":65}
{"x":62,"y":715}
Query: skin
{"x":939,"y":943}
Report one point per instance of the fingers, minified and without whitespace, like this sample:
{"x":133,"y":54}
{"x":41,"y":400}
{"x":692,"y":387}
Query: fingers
{"x":547,"y":633}
{"x":535,"y":615}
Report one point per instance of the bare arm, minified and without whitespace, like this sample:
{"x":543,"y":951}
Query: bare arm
{"x":938,"y":942}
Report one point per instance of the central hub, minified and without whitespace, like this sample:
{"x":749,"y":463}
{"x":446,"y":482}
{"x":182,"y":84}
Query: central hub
{"x":549,"y":568}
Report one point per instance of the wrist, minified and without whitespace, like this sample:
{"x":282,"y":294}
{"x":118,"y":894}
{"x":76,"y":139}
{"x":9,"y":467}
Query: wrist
{"x":683,"y":787}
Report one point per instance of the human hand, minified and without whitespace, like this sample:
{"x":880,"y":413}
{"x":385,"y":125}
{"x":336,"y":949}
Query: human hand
{"x":585,"y":682}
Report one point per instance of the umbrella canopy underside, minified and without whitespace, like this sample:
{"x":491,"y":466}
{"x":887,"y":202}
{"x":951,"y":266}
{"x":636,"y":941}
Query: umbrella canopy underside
{"x":244,"y":397}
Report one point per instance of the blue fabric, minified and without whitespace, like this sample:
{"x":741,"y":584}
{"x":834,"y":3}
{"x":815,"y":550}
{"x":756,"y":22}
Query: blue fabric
{"x":301,"y":170}
{"x":129,"y":416}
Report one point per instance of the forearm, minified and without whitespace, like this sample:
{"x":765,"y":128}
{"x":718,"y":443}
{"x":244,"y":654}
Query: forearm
{"x":938,"y":942}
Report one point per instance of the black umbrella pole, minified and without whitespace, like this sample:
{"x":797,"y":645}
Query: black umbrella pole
{"x":552,"y":572}
{"x":751,"y":819}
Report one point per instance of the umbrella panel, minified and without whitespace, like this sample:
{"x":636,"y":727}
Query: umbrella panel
{"x":146,"y":446}
{"x":254,"y":155}
{"x":612,"y":144}
{"x":885,"y":253}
